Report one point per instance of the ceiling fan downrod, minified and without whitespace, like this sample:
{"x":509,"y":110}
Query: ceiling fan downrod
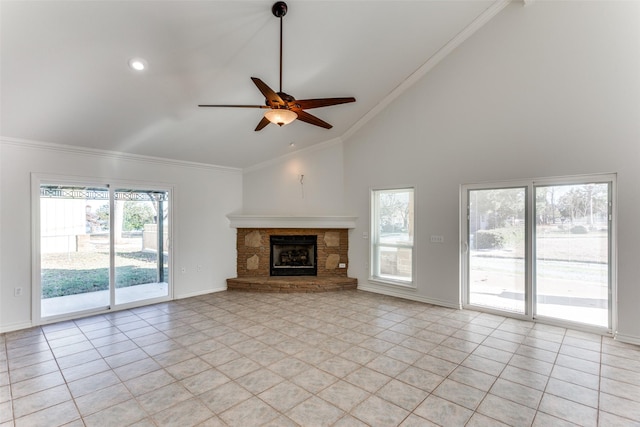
{"x":279,"y":10}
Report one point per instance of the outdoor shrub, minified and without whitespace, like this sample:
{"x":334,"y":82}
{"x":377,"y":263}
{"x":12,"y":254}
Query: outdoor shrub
{"x":489,"y":239}
{"x":579,"y":229}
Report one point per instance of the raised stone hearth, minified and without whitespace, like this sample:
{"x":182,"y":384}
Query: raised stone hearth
{"x":291,"y":284}
{"x":254,"y":262}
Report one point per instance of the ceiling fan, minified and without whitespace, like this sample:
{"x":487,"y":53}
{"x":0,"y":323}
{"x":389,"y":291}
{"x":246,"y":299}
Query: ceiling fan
{"x":282,"y":107}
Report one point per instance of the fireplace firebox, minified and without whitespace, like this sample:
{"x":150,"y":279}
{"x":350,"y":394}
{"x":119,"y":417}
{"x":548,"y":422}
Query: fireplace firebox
{"x":293,"y":255}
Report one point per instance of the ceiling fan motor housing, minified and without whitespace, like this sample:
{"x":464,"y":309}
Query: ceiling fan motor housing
{"x":279,"y":9}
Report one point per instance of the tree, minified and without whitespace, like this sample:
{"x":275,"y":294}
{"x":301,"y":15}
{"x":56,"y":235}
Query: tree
{"x":546,"y":205}
{"x":584,"y":201}
{"x":394,"y":207}
{"x":136,"y":215}
{"x":103,"y":216}
{"x":499,"y":208}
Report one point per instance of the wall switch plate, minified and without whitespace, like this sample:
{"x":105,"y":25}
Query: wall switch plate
{"x":342,"y":265}
{"x":365,"y":235}
{"x":437,"y":239}
{"x":17,"y":292}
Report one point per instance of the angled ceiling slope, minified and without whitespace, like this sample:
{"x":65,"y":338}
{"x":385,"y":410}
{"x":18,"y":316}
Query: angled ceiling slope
{"x":65,"y":76}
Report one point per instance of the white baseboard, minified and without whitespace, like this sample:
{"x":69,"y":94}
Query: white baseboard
{"x":199,"y":293}
{"x":629,"y":339}
{"x":405,"y":295}
{"x":15,"y":327}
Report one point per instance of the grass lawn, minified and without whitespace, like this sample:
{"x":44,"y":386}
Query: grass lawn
{"x":554,"y":244}
{"x":81,"y":272}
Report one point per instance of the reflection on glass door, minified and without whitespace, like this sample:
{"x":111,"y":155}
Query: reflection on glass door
{"x":141,"y":245}
{"x":496,"y":257}
{"x":74,"y":249}
{"x":572,"y":252}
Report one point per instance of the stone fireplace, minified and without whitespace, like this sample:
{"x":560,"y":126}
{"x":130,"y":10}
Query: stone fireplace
{"x":291,"y":257}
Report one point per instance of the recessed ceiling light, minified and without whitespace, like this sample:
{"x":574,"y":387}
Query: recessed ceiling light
{"x":292,"y":145}
{"x":138,"y":64}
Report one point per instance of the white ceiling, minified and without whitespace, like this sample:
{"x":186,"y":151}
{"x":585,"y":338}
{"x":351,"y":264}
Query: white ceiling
{"x":65,"y":78}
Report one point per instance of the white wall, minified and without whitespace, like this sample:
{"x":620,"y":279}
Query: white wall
{"x":551,"y":89}
{"x":274,"y":188}
{"x":203,"y":196}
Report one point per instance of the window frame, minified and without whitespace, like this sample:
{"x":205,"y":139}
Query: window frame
{"x":374,"y":245}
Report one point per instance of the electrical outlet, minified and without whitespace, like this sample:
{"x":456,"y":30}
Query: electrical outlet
{"x":437,"y":239}
{"x":342,"y":265}
{"x":17,"y":292}
{"x":198,"y":268}
{"x":365,"y":235}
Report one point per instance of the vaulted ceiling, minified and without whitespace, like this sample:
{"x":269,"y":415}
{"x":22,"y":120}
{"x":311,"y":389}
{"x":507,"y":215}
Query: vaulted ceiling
{"x":65,"y":77}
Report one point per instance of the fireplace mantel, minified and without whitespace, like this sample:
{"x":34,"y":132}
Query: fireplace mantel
{"x":284,"y":221}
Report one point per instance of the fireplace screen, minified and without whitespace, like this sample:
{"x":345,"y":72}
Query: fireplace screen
{"x":293,"y":256}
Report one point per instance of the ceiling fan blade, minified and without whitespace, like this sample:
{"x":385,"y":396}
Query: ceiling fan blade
{"x":264,"y":122}
{"x":272,"y":98}
{"x":308,"y":118}
{"x":322,"y":102}
{"x":233,"y":106}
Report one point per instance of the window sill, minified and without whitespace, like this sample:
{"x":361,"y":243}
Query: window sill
{"x":394,"y":283}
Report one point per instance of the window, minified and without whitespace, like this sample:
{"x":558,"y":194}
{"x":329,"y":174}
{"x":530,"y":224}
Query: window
{"x":392,"y":229}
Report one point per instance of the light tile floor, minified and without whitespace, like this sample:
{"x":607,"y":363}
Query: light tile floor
{"x":334,"y":359}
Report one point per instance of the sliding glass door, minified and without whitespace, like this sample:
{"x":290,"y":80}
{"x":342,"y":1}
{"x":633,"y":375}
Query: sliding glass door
{"x":541,"y":249}
{"x":141,"y":245}
{"x":572,"y":252}
{"x":101,"y":248}
{"x":74,"y":249}
{"x":496,"y":218}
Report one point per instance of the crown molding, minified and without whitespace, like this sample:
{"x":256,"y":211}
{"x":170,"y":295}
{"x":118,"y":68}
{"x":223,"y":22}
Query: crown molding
{"x":434,"y":60}
{"x":94,"y":152}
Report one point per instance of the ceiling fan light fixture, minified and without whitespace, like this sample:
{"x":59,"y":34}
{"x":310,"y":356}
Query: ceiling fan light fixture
{"x":280,"y":116}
